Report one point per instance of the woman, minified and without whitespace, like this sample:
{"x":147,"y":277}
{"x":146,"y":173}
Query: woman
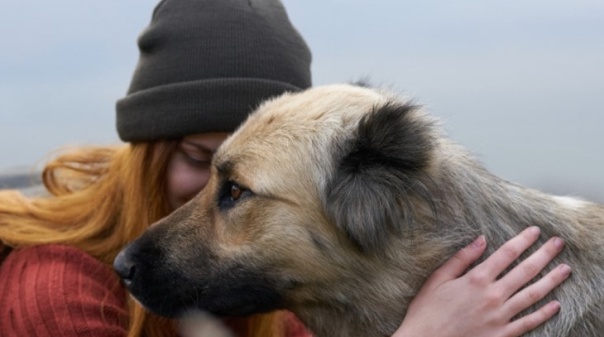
{"x":204,"y":65}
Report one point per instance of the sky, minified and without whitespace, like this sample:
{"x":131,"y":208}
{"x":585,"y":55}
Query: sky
{"x":518,"y":83}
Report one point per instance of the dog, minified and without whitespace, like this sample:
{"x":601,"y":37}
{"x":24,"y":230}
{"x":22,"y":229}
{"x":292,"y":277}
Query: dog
{"x":337,"y":203}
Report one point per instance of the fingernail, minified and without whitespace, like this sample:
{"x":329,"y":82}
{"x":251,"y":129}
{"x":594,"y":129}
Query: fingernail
{"x":534,"y":230}
{"x":554,"y":306}
{"x":564,"y":270}
{"x":559,"y":243}
{"x":479,"y":242}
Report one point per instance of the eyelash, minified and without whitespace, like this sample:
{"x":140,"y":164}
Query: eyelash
{"x":194,"y":161}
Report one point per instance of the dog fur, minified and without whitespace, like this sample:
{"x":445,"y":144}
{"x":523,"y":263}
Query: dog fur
{"x":336,"y":203}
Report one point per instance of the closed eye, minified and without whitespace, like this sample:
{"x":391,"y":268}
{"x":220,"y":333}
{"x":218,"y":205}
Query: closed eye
{"x":231,"y":193}
{"x":195,"y":155}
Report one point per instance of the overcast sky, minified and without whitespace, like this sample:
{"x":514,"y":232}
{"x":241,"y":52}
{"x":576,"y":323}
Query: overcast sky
{"x":519,"y":83}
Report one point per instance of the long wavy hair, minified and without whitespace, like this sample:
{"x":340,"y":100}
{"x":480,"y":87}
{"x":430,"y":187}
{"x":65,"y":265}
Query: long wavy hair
{"x":99,"y":199}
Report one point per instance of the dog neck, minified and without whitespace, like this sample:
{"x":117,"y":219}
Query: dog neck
{"x":371,"y":303}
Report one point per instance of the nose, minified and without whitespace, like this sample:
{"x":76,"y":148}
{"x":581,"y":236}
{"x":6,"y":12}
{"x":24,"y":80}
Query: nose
{"x":124,"y":267}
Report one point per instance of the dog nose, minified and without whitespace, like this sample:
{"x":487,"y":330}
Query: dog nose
{"x":124,"y":267}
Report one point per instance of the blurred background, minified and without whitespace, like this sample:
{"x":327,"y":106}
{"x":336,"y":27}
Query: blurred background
{"x":519,"y":83}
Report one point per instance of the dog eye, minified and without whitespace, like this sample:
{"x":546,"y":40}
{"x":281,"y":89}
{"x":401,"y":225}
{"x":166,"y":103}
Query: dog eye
{"x":231,"y":193}
{"x":235,"y":192}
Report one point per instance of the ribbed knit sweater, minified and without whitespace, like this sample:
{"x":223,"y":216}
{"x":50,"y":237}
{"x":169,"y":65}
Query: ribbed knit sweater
{"x":55,"y":290}
{"x":61,"y":291}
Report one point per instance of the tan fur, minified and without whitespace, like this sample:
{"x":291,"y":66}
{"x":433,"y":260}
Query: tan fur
{"x":289,"y":154}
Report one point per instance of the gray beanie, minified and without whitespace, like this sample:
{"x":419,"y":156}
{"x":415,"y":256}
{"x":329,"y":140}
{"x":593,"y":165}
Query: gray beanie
{"x":206,"y":64}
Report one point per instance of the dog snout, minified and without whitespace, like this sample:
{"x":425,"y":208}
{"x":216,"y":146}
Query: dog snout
{"x":125,"y":267}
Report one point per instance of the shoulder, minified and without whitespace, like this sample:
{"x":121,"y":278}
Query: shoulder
{"x":50,"y":253}
{"x":57,"y":267}
{"x":60,"y":290}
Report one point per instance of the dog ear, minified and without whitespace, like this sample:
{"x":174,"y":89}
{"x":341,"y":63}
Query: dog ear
{"x":370,"y":194}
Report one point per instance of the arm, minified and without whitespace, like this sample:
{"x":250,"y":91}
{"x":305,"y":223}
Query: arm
{"x":456,"y":303}
{"x":55,"y":290}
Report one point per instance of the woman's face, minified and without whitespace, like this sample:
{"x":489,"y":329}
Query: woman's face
{"x":189,"y":166}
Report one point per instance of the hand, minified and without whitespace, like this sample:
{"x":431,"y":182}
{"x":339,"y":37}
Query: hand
{"x":452,"y":304}
{"x":199,"y":323}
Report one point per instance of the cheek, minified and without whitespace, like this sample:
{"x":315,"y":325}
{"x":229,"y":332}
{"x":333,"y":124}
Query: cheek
{"x":184,"y":182}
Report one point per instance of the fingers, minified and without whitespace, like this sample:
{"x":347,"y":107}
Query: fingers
{"x":460,"y":262}
{"x":536,"y":291}
{"x":531,"y":321}
{"x":530,"y":267}
{"x":200,"y":323}
{"x":508,"y":253}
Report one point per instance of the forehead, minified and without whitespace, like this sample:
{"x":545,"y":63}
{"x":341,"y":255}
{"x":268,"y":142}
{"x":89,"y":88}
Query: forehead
{"x":307,"y":115}
{"x":267,"y":159}
{"x":293,"y":136}
{"x":208,"y":140}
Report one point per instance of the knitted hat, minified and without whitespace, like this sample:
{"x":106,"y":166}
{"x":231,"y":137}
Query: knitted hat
{"x":206,"y":64}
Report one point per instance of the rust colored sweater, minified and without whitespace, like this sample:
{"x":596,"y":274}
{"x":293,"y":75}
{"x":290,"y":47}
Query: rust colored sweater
{"x":57,"y":290}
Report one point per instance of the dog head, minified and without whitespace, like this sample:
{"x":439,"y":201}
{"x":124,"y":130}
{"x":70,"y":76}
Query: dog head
{"x":309,"y":190}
